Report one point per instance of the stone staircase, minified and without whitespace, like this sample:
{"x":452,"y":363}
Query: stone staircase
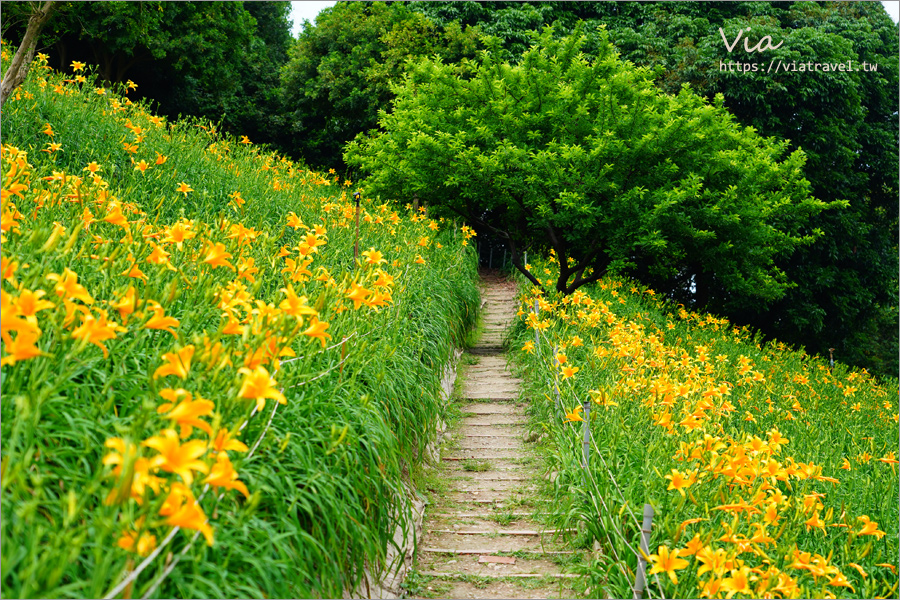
{"x":481,"y":540}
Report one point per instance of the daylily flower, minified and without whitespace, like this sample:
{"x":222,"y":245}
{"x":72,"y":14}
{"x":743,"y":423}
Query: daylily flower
{"x":665,"y":562}
{"x":373,"y":257}
{"x":183,"y":511}
{"x":259,"y":385}
{"x":223,"y":475}
{"x":22,"y":348}
{"x":97,"y":330}
{"x":869,"y":527}
{"x":160,"y":320}
{"x":187,"y":412}
{"x":574,"y":415}
{"x":175,"y":457}
{"x":177,"y":363}
{"x":217,"y":256}
{"x":317,"y":330}
{"x":225,"y":440}
{"x":184,"y":188}
{"x":67,"y":286}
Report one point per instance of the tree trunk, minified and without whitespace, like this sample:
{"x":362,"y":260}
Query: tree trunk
{"x":21,"y":62}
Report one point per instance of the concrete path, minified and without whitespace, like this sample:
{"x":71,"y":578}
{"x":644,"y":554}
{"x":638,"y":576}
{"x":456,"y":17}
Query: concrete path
{"x":480,"y":539}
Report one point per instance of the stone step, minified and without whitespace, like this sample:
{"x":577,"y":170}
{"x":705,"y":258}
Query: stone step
{"x":531,"y":532}
{"x":501,"y":576}
{"x":491,"y":552}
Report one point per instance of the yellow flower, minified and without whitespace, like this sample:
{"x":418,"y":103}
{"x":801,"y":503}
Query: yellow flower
{"x":217,"y":256}
{"x":127,"y":304}
{"x":870,"y":527}
{"x":225,"y":440}
{"x":665,"y":562}
{"x":131,"y":542}
{"x":738,"y":583}
{"x":373,"y":257}
{"x":183,"y":511}
{"x":183,"y":188}
{"x":358,"y":294}
{"x":568,"y":371}
{"x":161,"y":321}
{"x":187,"y":412}
{"x":528,"y":347}
{"x":678,"y":481}
{"x":28,"y":304}
{"x":77,"y":66}
{"x":67,"y":287}
{"x":574,"y":415}
{"x":23,"y":347}
{"x":223,"y":475}
{"x":175,"y":457}
{"x":317,"y":330}
{"x":97,"y":330}
{"x":259,"y":385}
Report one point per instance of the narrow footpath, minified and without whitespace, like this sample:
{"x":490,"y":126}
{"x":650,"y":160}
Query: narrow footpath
{"x":480,"y":538}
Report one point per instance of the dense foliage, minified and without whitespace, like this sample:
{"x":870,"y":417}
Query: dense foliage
{"x":771,"y":473}
{"x":340,"y":71}
{"x":216,"y":60}
{"x":586,"y":157}
{"x":202,"y":386}
{"x":845,"y":122}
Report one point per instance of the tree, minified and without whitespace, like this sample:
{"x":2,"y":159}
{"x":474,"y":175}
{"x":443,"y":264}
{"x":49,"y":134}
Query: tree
{"x":589,"y":159}
{"x":845,"y":295}
{"x":18,"y":68}
{"x":340,"y":71}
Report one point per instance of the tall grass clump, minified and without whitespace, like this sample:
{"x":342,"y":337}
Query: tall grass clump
{"x":772,"y":473}
{"x":204,"y":393}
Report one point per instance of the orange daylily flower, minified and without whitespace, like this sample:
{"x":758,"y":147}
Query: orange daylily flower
{"x":217,"y":256}
{"x":67,"y":286}
{"x":175,"y":457}
{"x":161,"y":321}
{"x":259,"y":385}
{"x":177,"y":363}
{"x":667,"y":562}
{"x":223,"y":475}
{"x":187,"y":412}
{"x":317,"y":329}
{"x":184,"y":511}
{"x":225,"y":440}
{"x":97,"y":330}
{"x":22,"y":347}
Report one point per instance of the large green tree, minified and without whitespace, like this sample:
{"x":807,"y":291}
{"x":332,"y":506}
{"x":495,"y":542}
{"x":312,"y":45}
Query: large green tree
{"x":845,"y":122}
{"x":589,"y":159}
{"x":340,"y":71}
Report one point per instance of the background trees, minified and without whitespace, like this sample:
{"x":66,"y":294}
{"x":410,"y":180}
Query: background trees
{"x":846,"y":123}
{"x":339,"y":73}
{"x":589,"y":159}
{"x":216,"y":60}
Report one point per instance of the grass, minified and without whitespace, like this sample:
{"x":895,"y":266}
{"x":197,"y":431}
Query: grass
{"x":478,"y":466}
{"x":195,"y":281}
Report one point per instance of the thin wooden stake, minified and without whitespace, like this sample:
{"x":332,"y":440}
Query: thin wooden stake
{"x":641,"y":576}
{"x":356,"y":244}
{"x":586,"y":443}
{"x":556,"y":380}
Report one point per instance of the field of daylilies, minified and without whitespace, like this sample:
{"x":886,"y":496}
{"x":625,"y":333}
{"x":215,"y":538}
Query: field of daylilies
{"x":772,"y":474}
{"x":205,"y":394}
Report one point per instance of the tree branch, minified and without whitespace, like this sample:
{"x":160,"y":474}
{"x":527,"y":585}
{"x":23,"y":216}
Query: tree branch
{"x":21,"y":62}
